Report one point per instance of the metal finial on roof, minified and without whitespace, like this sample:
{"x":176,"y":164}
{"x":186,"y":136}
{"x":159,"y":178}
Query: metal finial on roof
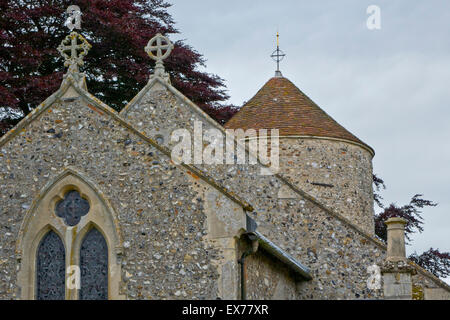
{"x":159,"y":48}
{"x":278,"y":56}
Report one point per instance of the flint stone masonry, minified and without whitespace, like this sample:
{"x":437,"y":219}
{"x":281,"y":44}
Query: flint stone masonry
{"x":266,"y":280}
{"x":334,"y":252}
{"x":337,"y":173}
{"x":301,"y":228}
{"x":337,"y":253}
{"x":161,"y":213}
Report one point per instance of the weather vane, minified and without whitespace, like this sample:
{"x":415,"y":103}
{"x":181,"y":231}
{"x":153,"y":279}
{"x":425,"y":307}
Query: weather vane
{"x":278,"y":56}
{"x":159,"y":48}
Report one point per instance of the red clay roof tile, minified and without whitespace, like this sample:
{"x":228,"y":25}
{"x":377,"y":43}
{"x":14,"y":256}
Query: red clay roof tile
{"x":279,"y":104}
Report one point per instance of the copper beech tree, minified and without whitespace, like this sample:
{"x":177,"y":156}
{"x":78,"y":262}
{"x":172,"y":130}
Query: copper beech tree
{"x":117,"y":66}
{"x":432,"y":260}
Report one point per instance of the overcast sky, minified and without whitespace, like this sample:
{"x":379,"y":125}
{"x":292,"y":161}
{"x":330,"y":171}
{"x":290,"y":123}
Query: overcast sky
{"x":389,"y":87}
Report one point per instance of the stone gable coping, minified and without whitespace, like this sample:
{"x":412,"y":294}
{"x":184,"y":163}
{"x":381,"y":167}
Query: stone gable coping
{"x":431,"y":276}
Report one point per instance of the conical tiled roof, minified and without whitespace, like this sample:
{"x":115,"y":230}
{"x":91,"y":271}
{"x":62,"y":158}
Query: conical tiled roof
{"x":279,"y":104}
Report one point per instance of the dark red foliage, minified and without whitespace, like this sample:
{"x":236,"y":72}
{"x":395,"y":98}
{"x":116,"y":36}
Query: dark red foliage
{"x":379,"y":183}
{"x":438,"y":263}
{"x":410,"y":212}
{"x":6,"y":125}
{"x":117,"y":66}
{"x":432,"y":260}
{"x":221,"y":114}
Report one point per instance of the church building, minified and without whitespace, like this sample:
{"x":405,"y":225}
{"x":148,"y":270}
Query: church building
{"x":94,"y":204}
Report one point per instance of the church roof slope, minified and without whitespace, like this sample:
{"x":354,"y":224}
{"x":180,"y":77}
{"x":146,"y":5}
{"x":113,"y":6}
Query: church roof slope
{"x":279,"y":104}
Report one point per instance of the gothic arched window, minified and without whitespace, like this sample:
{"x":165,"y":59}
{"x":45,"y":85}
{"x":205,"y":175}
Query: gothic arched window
{"x":70,"y":218}
{"x":94,"y":267}
{"x":50,"y":269}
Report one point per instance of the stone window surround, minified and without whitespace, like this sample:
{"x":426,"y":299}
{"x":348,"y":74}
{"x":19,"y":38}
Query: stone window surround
{"x":41,"y":218}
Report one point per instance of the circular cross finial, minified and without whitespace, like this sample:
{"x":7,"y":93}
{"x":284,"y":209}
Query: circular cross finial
{"x":73,"y":49}
{"x":161,"y":46}
{"x":278,"y":56}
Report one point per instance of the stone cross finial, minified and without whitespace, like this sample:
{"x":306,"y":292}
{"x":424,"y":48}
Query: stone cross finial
{"x":78,"y":47}
{"x":73,"y":49}
{"x":159,"y":48}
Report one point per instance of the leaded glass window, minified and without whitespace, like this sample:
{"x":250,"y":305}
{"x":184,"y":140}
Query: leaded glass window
{"x":72,"y":208}
{"x":94,"y":267}
{"x":51,"y":266}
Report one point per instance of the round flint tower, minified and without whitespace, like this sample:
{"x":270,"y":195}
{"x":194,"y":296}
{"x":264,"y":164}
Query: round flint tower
{"x":317,"y":154}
